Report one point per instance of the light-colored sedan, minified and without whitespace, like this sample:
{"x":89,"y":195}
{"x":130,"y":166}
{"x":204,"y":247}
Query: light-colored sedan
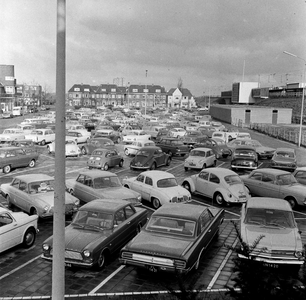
{"x":133,"y":148}
{"x":80,"y":136}
{"x":34,"y":194}
{"x":41,"y":136}
{"x":300,"y":175}
{"x":267,"y":182}
{"x":269,"y":224}
{"x":16,"y":228}
{"x":157,"y":187}
{"x":71,"y":148}
{"x":104,"y":158}
{"x":284,"y":159}
{"x":200,"y":158}
{"x":136,"y":135}
{"x":177,"y":132}
{"x":221,"y":185}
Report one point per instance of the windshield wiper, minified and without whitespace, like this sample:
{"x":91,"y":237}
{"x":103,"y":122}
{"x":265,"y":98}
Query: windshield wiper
{"x":94,"y":226}
{"x":77,"y":224}
{"x":277,"y":225}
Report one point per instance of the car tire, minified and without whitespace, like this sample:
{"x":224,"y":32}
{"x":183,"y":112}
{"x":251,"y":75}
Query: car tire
{"x":168,"y":161}
{"x":7,"y":169}
{"x":32,"y":163}
{"x":219,"y":199}
{"x":121,"y":163}
{"x":153,"y":166}
{"x":126,"y":152}
{"x":71,"y":192}
{"x":155,"y":203}
{"x":106,"y":167}
{"x":186,"y":186}
{"x":101,"y":261}
{"x":126,"y":186}
{"x":83,"y":151}
{"x":43,"y":143}
{"x":48,"y":149}
{"x":29,"y":238}
{"x":204,"y":166}
{"x":292,"y":202}
{"x":186,"y":169}
{"x":33,"y":211}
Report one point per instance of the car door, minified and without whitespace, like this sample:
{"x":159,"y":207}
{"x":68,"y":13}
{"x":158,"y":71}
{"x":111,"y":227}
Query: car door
{"x":201,"y":182}
{"x":147,"y":188}
{"x":137,"y":184}
{"x":159,"y":157}
{"x":22,"y":199}
{"x":269,"y":186}
{"x":22,"y":159}
{"x":10,"y":232}
{"x":254,"y":183}
{"x":210,"y":156}
{"x":300,"y":176}
{"x":83,"y":189}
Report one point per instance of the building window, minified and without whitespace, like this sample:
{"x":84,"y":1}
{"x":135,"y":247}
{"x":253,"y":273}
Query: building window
{"x":113,"y":90}
{"x":135,"y":90}
{"x":76,"y":89}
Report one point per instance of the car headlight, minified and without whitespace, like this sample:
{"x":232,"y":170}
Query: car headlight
{"x":46,"y":247}
{"x":139,"y":198}
{"x":46,"y":208}
{"x":77,"y":202}
{"x":299,"y":254}
{"x":86,"y":253}
{"x":98,"y":158}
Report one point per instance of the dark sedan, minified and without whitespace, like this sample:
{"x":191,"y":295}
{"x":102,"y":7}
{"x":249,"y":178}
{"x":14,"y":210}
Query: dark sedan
{"x":174,"y":238}
{"x":95,"y":143}
{"x":150,"y":157}
{"x":99,"y":229}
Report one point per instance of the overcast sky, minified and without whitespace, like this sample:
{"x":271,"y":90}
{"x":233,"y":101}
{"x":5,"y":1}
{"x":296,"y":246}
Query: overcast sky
{"x":209,"y":44}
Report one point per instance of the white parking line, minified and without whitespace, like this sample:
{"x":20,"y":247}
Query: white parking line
{"x":106,"y":280}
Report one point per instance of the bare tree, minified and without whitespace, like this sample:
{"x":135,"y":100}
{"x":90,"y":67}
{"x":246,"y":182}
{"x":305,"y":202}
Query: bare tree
{"x":180,"y":83}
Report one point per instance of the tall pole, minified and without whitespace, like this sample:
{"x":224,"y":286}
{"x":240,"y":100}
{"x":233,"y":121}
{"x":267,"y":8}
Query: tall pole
{"x":146,"y":94}
{"x":58,"y":263}
{"x":303,"y":95}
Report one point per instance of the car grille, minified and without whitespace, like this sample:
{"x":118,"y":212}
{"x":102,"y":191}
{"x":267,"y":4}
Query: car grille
{"x":71,"y":255}
{"x":180,"y":199}
{"x":274,"y":254}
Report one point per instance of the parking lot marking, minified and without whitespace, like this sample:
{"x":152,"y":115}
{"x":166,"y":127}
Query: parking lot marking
{"x":106,"y":280}
{"x":212,"y":282}
{"x":20,"y":267}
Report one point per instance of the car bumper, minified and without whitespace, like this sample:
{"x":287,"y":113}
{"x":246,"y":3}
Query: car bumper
{"x":69,"y":262}
{"x":274,"y":261}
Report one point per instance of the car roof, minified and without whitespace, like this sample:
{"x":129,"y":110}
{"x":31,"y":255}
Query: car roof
{"x":11,"y":148}
{"x":285,"y":149}
{"x":104,"y":205}
{"x":158,"y":173}
{"x":201,"y":149}
{"x":267,"y":202}
{"x":181,"y":210}
{"x":245,"y":147}
{"x":219,"y":171}
{"x":271,"y":171}
{"x":33,"y":177}
{"x":98,"y":173}
{"x":149,"y":148}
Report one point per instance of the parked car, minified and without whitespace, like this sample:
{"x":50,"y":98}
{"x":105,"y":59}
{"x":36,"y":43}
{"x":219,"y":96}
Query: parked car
{"x":222,"y":185}
{"x":41,"y":136}
{"x":26,"y":128}
{"x":263,"y":152}
{"x":150,"y":157}
{"x":104,"y":158}
{"x":133,"y":148}
{"x":223,"y":135}
{"x":96,"y":143}
{"x":34,"y":194}
{"x":200,"y":158}
{"x":269,"y":224}
{"x":27,"y":145}
{"x":99,"y":229}
{"x":154,"y":130}
{"x":174,"y":239}
{"x":173,"y":146}
{"x":136,"y":135}
{"x":16,"y":157}
{"x":78,"y":136}
{"x":206,"y":131}
{"x":108,"y":133}
{"x":220,"y":149}
{"x":190,"y":137}
{"x":284,"y":159}
{"x":157,"y":187}
{"x":300,"y":175}
{"x":243,"y":135}
{"x":71,"y":148}
{"x":11,"y":134}
{"x":267,"y":182}
{"x":244,"y":157}
{"x":217,"y":125}
{"x":95,"y":184}
{"x":177,"y":132}
{"x":16,"y":228}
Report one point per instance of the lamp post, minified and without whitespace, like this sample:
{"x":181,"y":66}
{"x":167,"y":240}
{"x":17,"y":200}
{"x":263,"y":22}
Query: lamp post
{"x":146,"y":95}
{"x":303,"y":95}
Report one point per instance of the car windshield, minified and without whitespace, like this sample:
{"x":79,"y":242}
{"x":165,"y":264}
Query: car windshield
{"x":143,"y":153}
{"x":166,"y":182}
{"x":286,"y":179}
{"x":197,"y":153}
{"x":244,"y":152}
{"x":37,"y":132}
{"x":97,"y":220}
{"x":232,"y":179}
{"x":270,"y":217}
{"x":106,"y":182}
{"x":41,"y":186}
{"x":171,"y":226}
{"x":285,"y":154}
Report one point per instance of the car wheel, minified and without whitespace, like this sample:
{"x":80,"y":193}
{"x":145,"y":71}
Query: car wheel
{"x":292,"y":202}
{"x":219,"y":199}
{"x":29,"y":238}
{"x":153,"y":166}
{"x":105,"y":167}
{"x":186,"y":185}
{"x":101,"y":261}
{"x":7,"y":169}
{"x":155,"y":203}
{"x":126,"y":152}
{"x":32,"y":163}
{"x":204,"y":166}
{"x":121,"y":163}
{"x":83,"y":150}
{"x":43,"y":142}
{"x":48,"y":149}
{"x":186,"y":169}
{"x":126,"y":186}
{"x":33,"y":211}
{"x":168,"y":162}
{"x":71,"y":192}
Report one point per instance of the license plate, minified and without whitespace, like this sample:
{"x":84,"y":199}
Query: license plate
{"x":269,"y":265}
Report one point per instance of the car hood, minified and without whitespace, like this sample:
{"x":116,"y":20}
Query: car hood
{"x":159,"y":245}
{"x":118,"y":192}
{"x":141,"y":159}
{"x":48,"y":198}
{"x":238,"y":190}
{"x":283,"y":159}
{"x":275,"y":238}
{"x":174,"y":191}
